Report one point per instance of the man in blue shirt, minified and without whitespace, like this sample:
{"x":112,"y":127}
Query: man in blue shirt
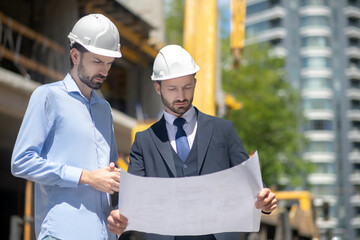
{"x":66,"y":142}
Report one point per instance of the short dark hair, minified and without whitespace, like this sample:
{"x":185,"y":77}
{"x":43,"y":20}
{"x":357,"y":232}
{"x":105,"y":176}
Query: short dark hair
{"x":79,"y":47}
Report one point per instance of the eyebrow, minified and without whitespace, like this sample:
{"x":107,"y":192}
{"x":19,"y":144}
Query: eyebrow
{"x":98,"y":59}
{"x":186,"y":85}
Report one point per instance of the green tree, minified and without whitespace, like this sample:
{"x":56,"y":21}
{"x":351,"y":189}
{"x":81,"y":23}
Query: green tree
{"x":270,"y":117}
{"x":174,"y":21}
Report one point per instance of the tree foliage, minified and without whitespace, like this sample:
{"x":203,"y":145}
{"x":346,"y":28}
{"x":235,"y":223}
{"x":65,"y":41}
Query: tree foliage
{"x":174,"y":21}
{"x":270,"y":117}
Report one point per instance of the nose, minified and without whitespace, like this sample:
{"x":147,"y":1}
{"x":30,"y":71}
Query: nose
{"x":181,"y":94}
{"x":104,"y":71}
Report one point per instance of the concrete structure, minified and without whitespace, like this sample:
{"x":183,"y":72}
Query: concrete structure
{"x":152,"y":12}
{"x":34,"y":50}
{"x":320,"y":40}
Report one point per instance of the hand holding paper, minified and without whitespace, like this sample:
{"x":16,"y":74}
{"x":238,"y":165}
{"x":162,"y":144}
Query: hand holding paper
{"x":220,"y":202}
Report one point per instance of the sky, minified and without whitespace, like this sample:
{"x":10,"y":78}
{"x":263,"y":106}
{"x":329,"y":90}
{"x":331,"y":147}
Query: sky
{"x":224,"y":17}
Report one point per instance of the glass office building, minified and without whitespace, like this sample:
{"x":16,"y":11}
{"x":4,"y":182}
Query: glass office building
{"x":320,"y":40}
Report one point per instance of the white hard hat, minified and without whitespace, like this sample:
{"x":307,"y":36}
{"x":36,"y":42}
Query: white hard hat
{"x":173,"y":61}
{"x":97,"y":34}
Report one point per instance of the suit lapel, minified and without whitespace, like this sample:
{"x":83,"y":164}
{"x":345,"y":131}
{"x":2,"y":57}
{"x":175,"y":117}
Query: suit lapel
{"x":160,"y":137}
{"x":205,"y":128}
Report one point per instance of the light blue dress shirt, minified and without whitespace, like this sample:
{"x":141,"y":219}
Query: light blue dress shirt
{"x":63,"y":133}
{"x":190,"y":126}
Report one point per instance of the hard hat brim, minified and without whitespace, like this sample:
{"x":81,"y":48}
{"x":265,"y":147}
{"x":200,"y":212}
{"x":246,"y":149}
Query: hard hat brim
{"x":154,"y":78}
{"x":103,"y":52}
{"x":98,"y":51}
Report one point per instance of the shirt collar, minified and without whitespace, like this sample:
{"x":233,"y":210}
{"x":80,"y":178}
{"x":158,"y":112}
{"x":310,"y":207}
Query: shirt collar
{"x":71,"y":86}
{"x":188,"y":115}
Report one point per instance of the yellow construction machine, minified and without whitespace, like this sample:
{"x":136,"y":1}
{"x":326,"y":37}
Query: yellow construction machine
{"x":294,"y":218}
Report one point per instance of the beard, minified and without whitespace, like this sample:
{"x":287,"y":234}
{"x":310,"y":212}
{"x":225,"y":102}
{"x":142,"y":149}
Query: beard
{"x":89,"y":80}
{"x":177,"y":110}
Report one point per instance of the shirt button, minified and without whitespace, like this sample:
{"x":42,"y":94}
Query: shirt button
{"x":184,"y":166}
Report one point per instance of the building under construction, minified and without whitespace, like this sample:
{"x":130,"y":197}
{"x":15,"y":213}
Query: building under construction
{"x":34,"y":50}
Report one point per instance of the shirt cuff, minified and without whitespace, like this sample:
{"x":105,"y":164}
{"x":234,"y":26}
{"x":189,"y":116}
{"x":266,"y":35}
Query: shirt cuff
{"x":72,"y":176}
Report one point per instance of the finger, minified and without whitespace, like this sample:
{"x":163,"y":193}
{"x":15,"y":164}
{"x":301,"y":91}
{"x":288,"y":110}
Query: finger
{"x":111,"y":220}
{"x":269,"y":209}
{"x":263,"y":193}
{"x":116,"y":184}
{"x":115,"y":189}
{"x":263,"y":203}
{"x":111,"y":191}
{"x":270,"y":206}
{"x":112,"y":165}
{"x":123,"y":219}
{"x":115,"y":177}
{"x":115,"y":229}
{"x":117,"y":223}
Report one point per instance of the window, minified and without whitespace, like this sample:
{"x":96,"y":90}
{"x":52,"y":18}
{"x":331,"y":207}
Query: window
{"x":315,"y":41}
{"x":277,"y":42}
{"x":274,"y":3}
{"x":355,"y":125}
{"x":320,"y":146}
{"x":255,"y":29}
{"x":320,"y":211}
{"x":317,"y":104}
{"x":355,"y":104}
{"x":274,"y":23}
{"x":325,"y":168}
{"x":315,"y":21}
{"x":319,"y":190}
{"x":355,"y":83}
{"x":317,"y":83}
{"x":316,"y":62}
{"x":314,"y":3}
{"x":353,"y":22}
{"x":257,"y":7}
{"x":356,"y":190}
{"x":356,"y":146}
{"x":354,"y":63}
{"x":356,"y":168}
{"x":261,"y":6}
{"x":353,"y":2}
{"x":319,"y":125}
{"x":354,"y":42}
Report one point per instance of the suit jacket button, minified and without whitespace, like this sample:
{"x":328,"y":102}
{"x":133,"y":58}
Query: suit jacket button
{"x":184,"y":166}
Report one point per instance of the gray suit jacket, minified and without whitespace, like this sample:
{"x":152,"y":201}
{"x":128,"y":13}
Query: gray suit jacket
{"x":219,"y":148}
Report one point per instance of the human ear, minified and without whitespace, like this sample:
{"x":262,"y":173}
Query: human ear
{"x":75,"y":56}
{"x":157,"y":87}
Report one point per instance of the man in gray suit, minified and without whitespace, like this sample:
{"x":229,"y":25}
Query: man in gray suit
{"x":184,"y":142}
